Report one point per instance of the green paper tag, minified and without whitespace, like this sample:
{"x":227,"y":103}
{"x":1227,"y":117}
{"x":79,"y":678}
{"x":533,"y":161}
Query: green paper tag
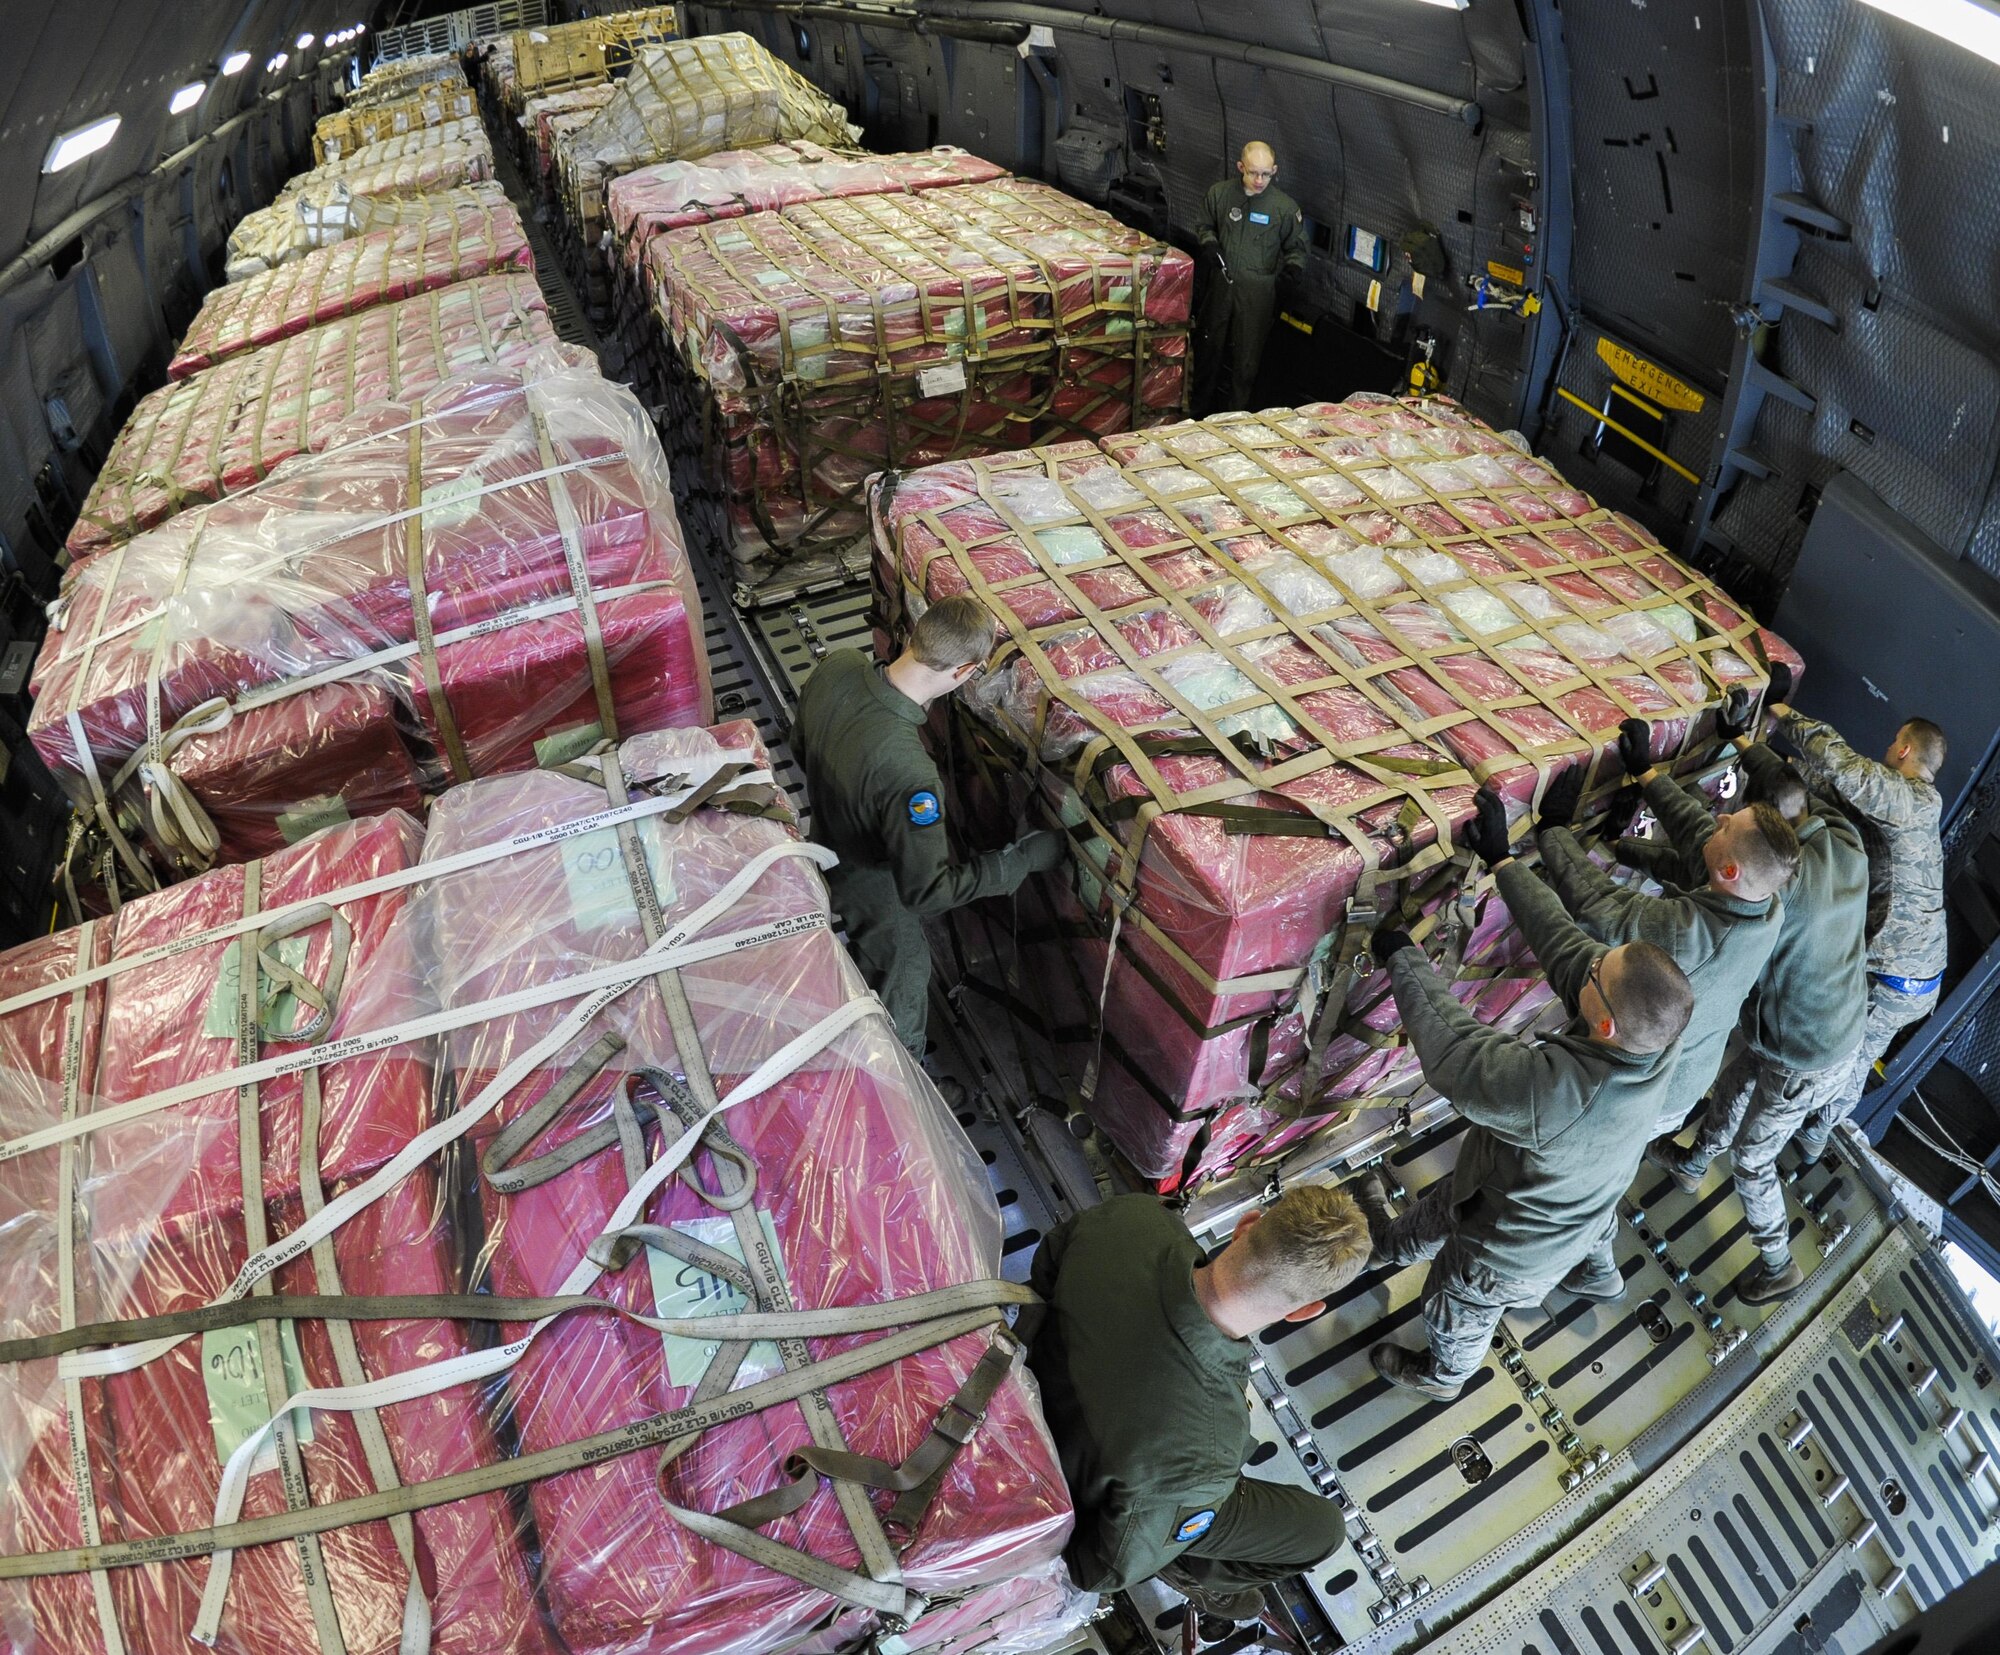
{"x":446,"y":505}
{"x":600,"y":894}
{"x":571,"y":742}
{"x":221,"y":1021}
{"x":232,"y":1369}
{"x":682,"y":1289}
{"x":308,"y":816}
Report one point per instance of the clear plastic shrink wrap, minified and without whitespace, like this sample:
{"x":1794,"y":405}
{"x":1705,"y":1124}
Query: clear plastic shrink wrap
{"x":846,"y":1167}
{"x":575,"y":106}
{"x":226,"y":428}
{"x":732,"y":182}
{"x":318,"y":204}
{"x":838,"y":337}
{"x":684,"y":99}
{"x":334,"y":216}
{"x":453,"y":242}
{"x":346,"y":130}
{"x":1265,"y":658}
{"x":459,"y":588}
{"x":731,"y":1090}
{"x":149,"y":1215}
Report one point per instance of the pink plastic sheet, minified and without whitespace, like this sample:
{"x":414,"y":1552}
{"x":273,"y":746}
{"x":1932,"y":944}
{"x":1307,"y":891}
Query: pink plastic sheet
{"x":484,"y":582}
{"x":223,"y":429}
{"x":452,"y":244}
{"x":1444,"y":607}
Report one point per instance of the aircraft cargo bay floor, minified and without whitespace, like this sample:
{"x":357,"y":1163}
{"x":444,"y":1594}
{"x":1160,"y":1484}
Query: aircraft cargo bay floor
{"x":1616,"y":1478}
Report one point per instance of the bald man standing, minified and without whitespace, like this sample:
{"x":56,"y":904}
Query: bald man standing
{"x":1252,"y":234}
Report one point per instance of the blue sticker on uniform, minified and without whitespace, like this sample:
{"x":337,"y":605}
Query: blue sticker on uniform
{"x":1193,"y":1528}
{"x":924,"y":807}
{"x":1260,"y":218}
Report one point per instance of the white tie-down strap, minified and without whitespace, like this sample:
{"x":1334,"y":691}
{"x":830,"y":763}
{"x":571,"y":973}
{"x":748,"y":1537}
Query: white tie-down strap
{"x":479,"y":1365}
{"x":690,"y":777}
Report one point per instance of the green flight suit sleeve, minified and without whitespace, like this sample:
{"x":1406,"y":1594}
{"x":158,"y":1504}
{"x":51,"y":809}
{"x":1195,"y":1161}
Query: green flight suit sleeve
{"x":1685,"y":815}
{"x":1879,"y":793}
{"x":1603,"y":908}
{"x":1760,"y":764}
{"x":1048,"y":1258}
{"x":927,"y":881}
{"x":1498,"y":1081}
{"x":1206,"y":232}
{"x":1292,"y":246}
{"x":1562,"y":948}
{"x":1655,"y":858}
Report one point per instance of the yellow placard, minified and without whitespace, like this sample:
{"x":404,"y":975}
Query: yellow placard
{"x":1506,"y":273}
{"x":1649,"y":378}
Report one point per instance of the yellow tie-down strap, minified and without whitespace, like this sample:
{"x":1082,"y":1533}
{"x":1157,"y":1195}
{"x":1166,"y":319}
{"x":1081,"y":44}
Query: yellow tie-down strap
{"x":1371,"y":477}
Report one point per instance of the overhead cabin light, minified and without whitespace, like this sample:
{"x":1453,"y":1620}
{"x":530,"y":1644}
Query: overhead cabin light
{"x":1451,"y":5}
{"x":305,"y":40}
{"x":186,"y":97}
{"x":275,"y":64}
{"x":1965,"y":23}
{"x":73,"y":146}
{"x":235,"y":63}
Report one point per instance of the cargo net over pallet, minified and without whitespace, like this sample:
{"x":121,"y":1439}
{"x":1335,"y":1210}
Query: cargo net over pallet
{"x":346,"y":130}
{"x":226,"y":428}
{"x":1256,"y":665}
{"x":472,"y":1222}
{"x":308,"y":225}
{"x":461,"y":587}
{"x":451,"y":241}
{"x":683,"y":100}
{"x":575,"y":54}
{"x":318,"y":207}
{"x":811,"y":347}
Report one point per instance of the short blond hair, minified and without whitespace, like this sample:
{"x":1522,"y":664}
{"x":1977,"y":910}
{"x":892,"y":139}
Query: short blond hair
{"x":1312,"y":1242}
{"x":954,"y":632}
{"x":1926,"y":741}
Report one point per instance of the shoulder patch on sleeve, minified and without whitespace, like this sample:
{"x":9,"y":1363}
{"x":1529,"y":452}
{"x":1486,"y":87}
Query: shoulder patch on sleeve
{"x":1193,"y":1526}
{"x":924,"y":807}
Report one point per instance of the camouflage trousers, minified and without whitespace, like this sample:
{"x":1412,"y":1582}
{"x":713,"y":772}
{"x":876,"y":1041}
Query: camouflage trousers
{"x":1889,"y":1012}
{"x":1754,"y":1109}
{"x":1464,"y":1299}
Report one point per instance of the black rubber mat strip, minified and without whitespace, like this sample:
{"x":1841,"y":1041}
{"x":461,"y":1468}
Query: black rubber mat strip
{"x":1438,"y":1463}
{"x":1587,"y":1411}
{"x":1746,"y":1559}
{"x":1754,"y":1526}
{"x":1698,"y":1551}
{"x":1699,"y":1606}
{"x":1399,"y":1433}
{"x":1443,"y":1519}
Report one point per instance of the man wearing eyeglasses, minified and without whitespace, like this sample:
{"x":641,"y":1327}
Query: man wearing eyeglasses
{"x":1558,"y":1124}
{"x":1251,"y":235}
{"x":878,"y":804}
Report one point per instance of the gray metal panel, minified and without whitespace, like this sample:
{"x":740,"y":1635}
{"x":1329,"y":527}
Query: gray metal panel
{"x":1892,"y":628}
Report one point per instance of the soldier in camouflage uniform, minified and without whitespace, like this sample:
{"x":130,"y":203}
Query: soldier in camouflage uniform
{"x":1898,"y":799}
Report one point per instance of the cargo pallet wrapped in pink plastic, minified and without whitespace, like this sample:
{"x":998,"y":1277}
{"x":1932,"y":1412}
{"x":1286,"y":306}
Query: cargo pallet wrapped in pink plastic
{"x":815,"y":345}
{"x":229,"y":426}
{"x":453,"y":591}
{"x":454,"y":243}
{"x":767,"y":1399}
{"x":1257,"y":665}
{"x":139,"y":1207}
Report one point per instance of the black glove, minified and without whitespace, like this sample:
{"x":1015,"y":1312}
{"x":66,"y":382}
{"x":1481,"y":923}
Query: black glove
{"x":1209,"y":257}
{"x":1780,"y":692}
{"x":1624,"y":806}
{"x":1635,"y":746}
{"x":1486,"y":833}
{"x":1042,"y":850}
{"x":1560,"y":799}
{"x":1388,"y":937}
{"x":1732,"y":718}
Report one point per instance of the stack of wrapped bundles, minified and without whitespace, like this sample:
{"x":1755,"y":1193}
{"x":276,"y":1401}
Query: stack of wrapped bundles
{"x":450,"y":242}
{"x":461,"y":586}
{"x":496,"y":74}
{"x":227,"y":427}
{"x":418,"y":163}
{"x":346,"y":130}
{"x":549,"y":114}
{"x":334,"y":215}
{"x":1258,"y":664}
{"x":683,"y":100}
{"x":591,"y":49}
{"x":835,"y":338}
{"x":676,"y":194}
{"x":156,"y":1213}
{"x":403,"y":78}
{"x":686,"y":1109}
